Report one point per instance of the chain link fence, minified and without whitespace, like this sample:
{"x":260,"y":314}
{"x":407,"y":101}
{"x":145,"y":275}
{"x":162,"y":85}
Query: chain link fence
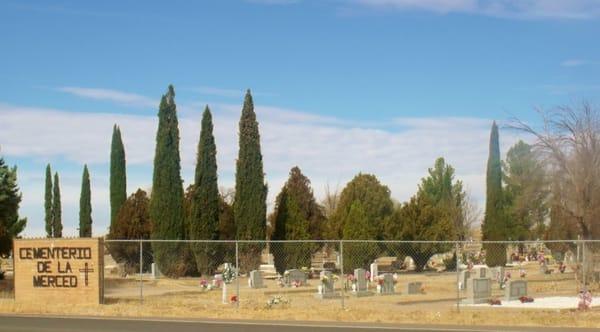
{"x":353,"y":274}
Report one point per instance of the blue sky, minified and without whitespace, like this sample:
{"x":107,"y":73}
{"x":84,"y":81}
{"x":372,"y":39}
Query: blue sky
{"x":341,"y":86}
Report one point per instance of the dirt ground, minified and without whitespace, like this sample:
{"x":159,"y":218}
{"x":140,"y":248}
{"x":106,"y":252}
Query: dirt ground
{"x":184,"y":298}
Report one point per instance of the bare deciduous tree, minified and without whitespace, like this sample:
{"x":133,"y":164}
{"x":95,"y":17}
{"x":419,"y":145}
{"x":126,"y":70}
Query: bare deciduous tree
{"x":570,"y":143}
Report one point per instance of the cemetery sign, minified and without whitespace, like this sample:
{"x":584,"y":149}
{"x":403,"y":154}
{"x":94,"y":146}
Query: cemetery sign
{"x":59,"y":270}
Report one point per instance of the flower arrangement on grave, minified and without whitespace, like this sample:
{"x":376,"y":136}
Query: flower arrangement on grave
{"x":395,"y":278}
{"x":205,"y":285}
{"x":505,"y":279}
{"x":526,"y":299}
{"x":562,"y":267}
{"x":494,"y":302}
{"x":229,"y":274}
{"x":233,"y":299}
{"x":585,"y":299}
{"x":296,"y":283}
{"x":277,"y":301}
{"x":324,"y":279}
{"x":522,"y":273}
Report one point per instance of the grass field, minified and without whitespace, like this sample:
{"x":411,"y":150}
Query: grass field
{"x":184,"y":298}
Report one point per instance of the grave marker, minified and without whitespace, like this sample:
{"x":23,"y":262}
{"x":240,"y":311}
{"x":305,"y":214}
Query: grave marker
{"x":414,"y":287}
{"x":294,"y":276}
{"x":326,"y":289}
{"x":479,"y":290}
{"x":256,"y":280}
{"x":360,"y":277}
{"x":515,"y":289}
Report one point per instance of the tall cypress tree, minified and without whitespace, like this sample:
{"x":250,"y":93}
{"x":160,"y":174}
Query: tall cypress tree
{"x":166,"y":201}
{"x":56,"y":209}
{"x":118,"y":175}
{"x":204,"y":216}
{"x":85,"y":205}
{"x":493,"y":226}
{"x":250,"y":207}
{"x":48,"y":218}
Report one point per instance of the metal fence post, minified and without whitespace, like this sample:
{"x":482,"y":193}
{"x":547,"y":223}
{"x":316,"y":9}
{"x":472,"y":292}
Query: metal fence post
{"x":342,"y":279}
{"x":141,"y":271}
{"x":584,"y":263}
{"x":237,"y":272}
{"x":457,"y":276}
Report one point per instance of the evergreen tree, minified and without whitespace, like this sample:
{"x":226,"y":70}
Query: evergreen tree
{"x":442,"y":190}
{"x":204,"y":214}
{"x":132,"y":222}
{"x":526,"y":193}
{"x":10,"y":198}
{"x":56,"y":208}
{"x":357,"y":226}
{"x":250,"y":206}
{"x":494,"y":226}
{"x":297,"y":216}
{"x":118,"y":174}
{"x":166,"y":201}
{"x":48,"y":218}
{"x":420,"y":219}
{"x":85,"y":205}
{"x":375,"y":199}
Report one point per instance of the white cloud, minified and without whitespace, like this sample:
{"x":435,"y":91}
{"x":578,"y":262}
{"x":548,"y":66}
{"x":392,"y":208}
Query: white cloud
{"x":577,"y":63}
{"x":124,"y":98}
{"x":520,"y":9}
{"x":328,"y":150}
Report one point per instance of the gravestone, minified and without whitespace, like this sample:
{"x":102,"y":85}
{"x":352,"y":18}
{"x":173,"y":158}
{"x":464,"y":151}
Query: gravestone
{"x":464,"y":277}
{"x":374,"y":272}
{"x":386,"y":287}
{"x":326,"y":289}
{"x":360,"y":277}
{"x":414,"y":287}
{"x":481,"y":272}
{"x":154,"y":271}
{"x":515,"y":289}
{"x":479,"y":290}
{"x":294,"y":276}
{"x":256,"y":280}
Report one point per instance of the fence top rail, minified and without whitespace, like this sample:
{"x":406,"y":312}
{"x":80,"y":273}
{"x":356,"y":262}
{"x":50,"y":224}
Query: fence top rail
{"x":354,"y":241}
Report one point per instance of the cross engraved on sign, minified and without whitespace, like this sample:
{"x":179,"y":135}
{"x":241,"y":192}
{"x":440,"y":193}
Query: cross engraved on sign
{"x":86,"y":270}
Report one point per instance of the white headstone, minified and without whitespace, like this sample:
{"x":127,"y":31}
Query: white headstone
{"x":155,"y":272}
{"x":374,"y":272}
{"x":255,"y":280}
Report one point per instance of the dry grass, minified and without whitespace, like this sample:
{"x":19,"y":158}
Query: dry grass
{"x":182,"y":298}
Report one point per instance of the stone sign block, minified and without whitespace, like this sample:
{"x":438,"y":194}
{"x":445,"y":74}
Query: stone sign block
{"x":59,"y":271}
